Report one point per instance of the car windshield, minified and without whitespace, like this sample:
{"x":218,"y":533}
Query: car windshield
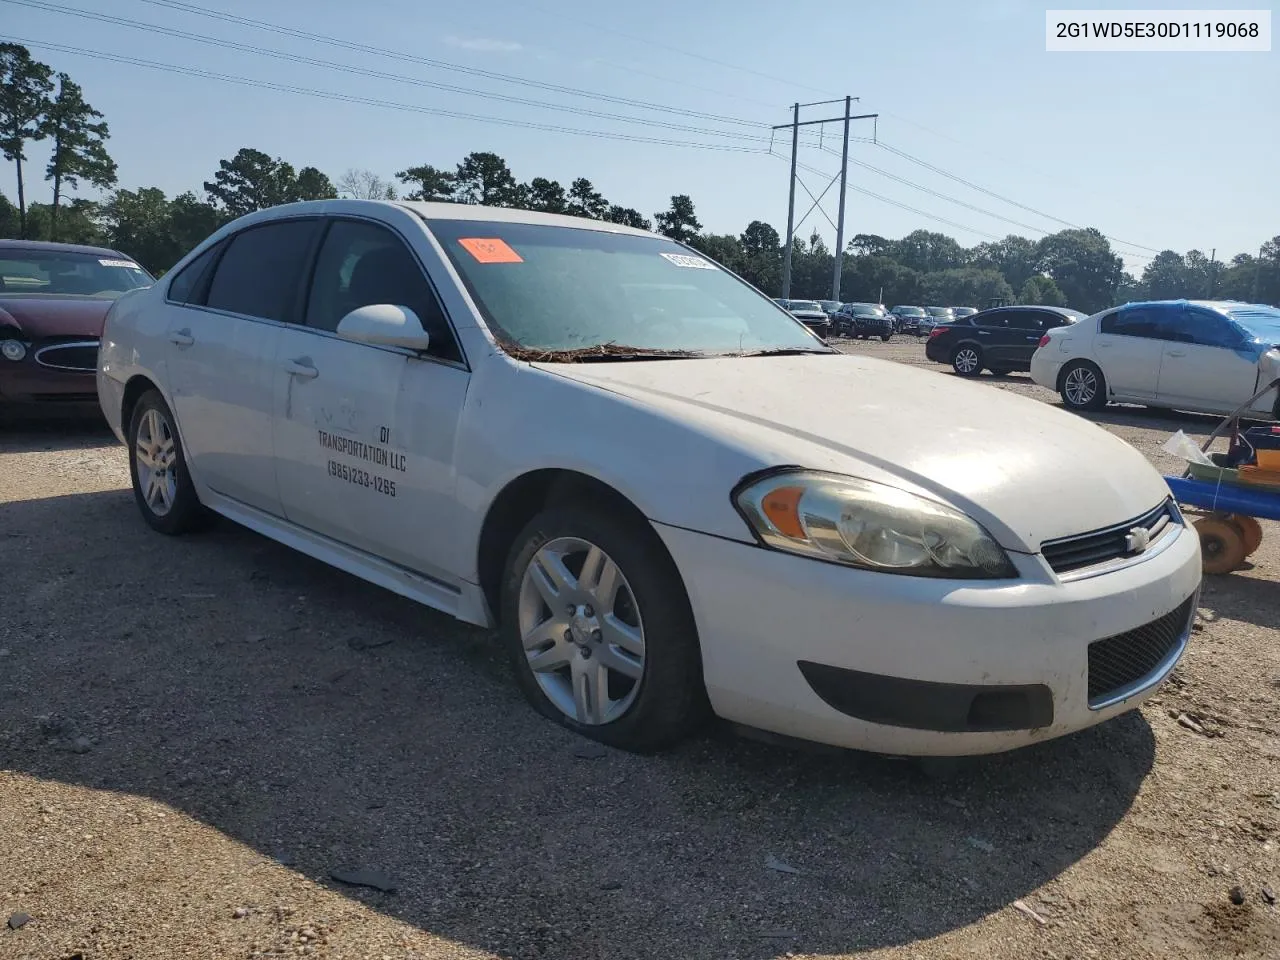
{"x":909,"y":311}
{"x":965,"y":311}
{"x":940,"y":312}
{"x":861,"y":310}
{"x":829,"y":304}
{"x":595,"y":294}
{"x":1261,"y":324}
{"x":810,"y":305}
{"x":60,"y":273}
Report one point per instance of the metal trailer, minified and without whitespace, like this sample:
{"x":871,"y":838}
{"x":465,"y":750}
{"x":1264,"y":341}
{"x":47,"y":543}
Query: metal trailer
{"x":1228,"y":526}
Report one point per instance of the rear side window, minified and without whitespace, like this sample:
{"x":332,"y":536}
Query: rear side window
{"x":991,"y":320}
{"x":191,"y":281}
{"x":1026,"y":320}
{"x":1138,"y":322}
{"x":258,"y":276}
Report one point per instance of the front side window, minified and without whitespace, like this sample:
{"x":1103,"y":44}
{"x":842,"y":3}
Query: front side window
{"x":1207,"y":329}
{"x":991,"y":320}
{"x":550,"y":289}
{"x":190,"y":283}
{"x":363,"y":263}
{"x":56,"y":273}
{"x":259,"y":274}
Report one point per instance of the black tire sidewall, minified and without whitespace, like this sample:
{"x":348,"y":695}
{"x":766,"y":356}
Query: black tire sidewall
{"x":672,"y":696}
{"x":187,"y":511}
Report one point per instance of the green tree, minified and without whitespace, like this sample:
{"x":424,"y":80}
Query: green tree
{"x":880,"y":279}
{"x":1165,"y":276}
{"x":137,"y":222}
{"x":724,"y":248}
{"x":10,"y":227}
{"x":486,"y":179}
{"x":1017,"y":259}
{"x":250,"y":181}
{"x":586,"y":201}
{"x":25,"y":86}
{"x":869,"y":245}
{"x":1041,"y":290}
{"x":79,"y":152}
{"x":761,"y":257}
{"x":1129,"y":289}
{"x":546,"y":195}
{"x":627,"y":216}
{"x":432,"y":185}
{"x":925,"y":251}
{"x":679,"y":222}
{"x":310,"y":184}
{"x":1083,"y":266}
{"x":964,"y":286}
{"x":190,"y":221}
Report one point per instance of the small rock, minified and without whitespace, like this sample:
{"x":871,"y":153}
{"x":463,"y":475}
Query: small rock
{"x":1205,"y":614}
{"x":1185,"y":721}
{"x":367,"y":643}
{"x":953,"y":802}
{"x":611,"y":885}
{"x":1236,"y":894}
{"x":1219,"y":869}
{"x":362,"y":877}
{"x":982,"y":845}
{"x":590,"y":751}
{"x":81,"y":745}
{"x":4,"y":651}
{"x":1022,"y":908}
{"x":1268,"y":895}
{"x":240,"y":913}
{"x":773,"y":863}
{"x":19,"y":920}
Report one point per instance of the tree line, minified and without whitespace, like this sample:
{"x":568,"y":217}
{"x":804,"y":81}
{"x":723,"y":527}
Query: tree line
{"x":1075,"y":267}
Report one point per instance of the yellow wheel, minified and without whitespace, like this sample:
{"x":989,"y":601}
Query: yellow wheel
{"x":1250,"y":530}
{"x":1221,"y":544}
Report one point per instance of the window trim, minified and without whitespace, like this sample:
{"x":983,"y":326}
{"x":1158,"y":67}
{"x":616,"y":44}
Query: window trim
{"x":305,"y":296}
{"x":201,"y":289}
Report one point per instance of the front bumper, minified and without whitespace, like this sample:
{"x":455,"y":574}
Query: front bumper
{"x":765,"y":619}
{"x":36,"y":379}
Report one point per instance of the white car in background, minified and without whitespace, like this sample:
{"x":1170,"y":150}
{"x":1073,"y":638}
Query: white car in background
{"x":1203,"y":356}
{"x":685,"y":501}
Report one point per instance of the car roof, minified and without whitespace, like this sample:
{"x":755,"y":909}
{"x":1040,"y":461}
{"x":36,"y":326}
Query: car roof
{"x":45,"y":246}
{"x":1062,"y":311}
{"x":443,"y":211}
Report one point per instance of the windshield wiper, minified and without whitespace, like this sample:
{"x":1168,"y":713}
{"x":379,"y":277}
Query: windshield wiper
{"x":784,"y":352}
{"x":600,"y":353}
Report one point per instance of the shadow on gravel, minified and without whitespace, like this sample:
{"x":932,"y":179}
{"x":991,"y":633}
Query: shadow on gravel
{"x":1247,"y":599}
{"x":53,"y":431}
{"x":328,"y":723}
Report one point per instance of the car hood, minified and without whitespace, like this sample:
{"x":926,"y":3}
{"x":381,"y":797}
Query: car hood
{"x":46,"y":316}
{"x":1026,"y":471}
{"x":808,"y":314}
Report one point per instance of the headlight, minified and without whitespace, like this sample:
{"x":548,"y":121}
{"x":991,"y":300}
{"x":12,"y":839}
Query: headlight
{"x":869,"y":525}
{"x":13,"y":350}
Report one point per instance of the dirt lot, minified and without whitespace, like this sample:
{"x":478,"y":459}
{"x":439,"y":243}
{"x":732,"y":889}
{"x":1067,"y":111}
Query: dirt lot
{"x":195,"y":734}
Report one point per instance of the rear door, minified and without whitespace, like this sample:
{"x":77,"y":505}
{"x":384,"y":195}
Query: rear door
{"x":1203,"y":367}
{"x":1129,"y":347}
{"x":991,"y":331}
{"x":221,"y":356}
{"x":1026,"y":327}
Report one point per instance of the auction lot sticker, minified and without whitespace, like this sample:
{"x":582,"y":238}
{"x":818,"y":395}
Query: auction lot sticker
{"x":1157,"y":31}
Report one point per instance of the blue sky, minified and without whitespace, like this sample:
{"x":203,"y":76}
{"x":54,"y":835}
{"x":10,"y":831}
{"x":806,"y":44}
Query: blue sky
{"x":1160,"y":150}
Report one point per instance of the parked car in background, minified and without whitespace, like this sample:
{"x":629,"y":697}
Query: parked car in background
{"x":863,"y":320}
{"x":53,"y":298}
{"x":909,"y":318}
{"x":964,"y":311}
{"x":1000,"y":339}
{"x":721,"y":515}
{"x":1205,"y":356}
{"x":936,"y":315}
{"x":830,"y":306}
{"x":811,"y":314}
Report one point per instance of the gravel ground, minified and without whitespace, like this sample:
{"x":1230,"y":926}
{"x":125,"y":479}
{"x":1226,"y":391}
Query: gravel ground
{"x":196,"y":734}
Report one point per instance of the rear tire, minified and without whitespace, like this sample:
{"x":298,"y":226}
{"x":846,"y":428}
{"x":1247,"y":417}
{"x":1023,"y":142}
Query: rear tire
{"x":886,"y":337}
{"x":966,"y":360}
{"x":162,"y":484}
{"x":1222,"y":545}
{"x":623,"y":666}
{"x":1082,"y":386}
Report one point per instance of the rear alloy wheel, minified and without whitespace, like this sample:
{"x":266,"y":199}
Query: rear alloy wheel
{"x":967,"y":360}
{"x":1082,"y":386}
{"x":600,"y":631}
{"x":162,"y":486}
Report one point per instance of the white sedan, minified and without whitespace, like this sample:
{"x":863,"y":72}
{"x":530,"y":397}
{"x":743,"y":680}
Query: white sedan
{"x":1204,"y":356}
{"x":670,"y":496}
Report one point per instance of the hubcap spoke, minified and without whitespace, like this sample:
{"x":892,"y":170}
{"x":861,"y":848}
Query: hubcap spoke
{"x":600,"y":578}
{"x":590,"y":690}
{"x":552,"y":578}
{"x":622,"y":635}
{"x":615,"y":658}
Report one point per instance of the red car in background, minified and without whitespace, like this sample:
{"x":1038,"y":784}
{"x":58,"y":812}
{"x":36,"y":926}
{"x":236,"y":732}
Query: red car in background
{"x":53,"y":300}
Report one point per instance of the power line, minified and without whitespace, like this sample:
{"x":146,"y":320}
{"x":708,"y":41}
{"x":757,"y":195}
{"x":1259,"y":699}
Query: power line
{"x":361,"y":71}
{"x":386,"y":52}
{"x":991,"y":193}
{"x":372,"y":101}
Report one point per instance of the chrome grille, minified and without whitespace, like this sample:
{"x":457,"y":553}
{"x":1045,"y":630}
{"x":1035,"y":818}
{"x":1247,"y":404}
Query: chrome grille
{"x":1089,"y":549}
{"x":81,"y":356}
{"x":1120,"y":663}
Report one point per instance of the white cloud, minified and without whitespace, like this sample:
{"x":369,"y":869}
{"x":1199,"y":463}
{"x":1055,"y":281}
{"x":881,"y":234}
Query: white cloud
{"x":484,"y":44}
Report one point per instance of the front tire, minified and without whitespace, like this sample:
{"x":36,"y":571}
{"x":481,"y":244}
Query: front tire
{"x":162,"y":484}
{"x":599,"y":629}
{"x":886,"y":337}
{"x":1082,"y":386}
{"x":966,"y":360}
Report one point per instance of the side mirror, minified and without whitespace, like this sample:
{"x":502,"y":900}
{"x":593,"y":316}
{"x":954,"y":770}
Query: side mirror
{"x":384,"y":325}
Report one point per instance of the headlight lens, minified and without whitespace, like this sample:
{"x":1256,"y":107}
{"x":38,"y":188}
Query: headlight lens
{"x":869,"y":525}
{"x":13,"y":350}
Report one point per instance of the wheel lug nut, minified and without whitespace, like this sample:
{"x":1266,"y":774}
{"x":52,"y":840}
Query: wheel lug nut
{"x":596,"y":635}
{"x":586,"y":653}
{"x":568,"y":636}
{"x":587,"y":611}
{"x":571,"y":610}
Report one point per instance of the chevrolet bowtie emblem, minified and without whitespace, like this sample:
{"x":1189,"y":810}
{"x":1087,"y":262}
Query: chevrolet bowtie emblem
{"x":1138,"y":540}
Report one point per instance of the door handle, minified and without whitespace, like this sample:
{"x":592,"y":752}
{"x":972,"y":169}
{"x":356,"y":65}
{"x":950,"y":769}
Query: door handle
{"x":299,"y":368}
{"x":182,"y":338}
{"x":983,"y":333}
{"x":1175,"y":353}
{"x":1101,"y":345}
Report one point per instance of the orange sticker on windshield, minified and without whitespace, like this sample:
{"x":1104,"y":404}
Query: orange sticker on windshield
{"x":490,"y":250}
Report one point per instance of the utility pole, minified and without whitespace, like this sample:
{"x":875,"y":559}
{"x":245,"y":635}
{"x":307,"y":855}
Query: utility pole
{"x":791,"y":202}
{"x":1213,"y":272}
{"x":795,"y":126}
{"x":844,"y":176}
